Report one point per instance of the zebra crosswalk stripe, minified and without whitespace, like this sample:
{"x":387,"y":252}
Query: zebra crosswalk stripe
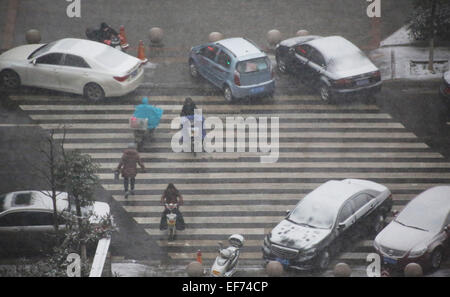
{"x":229,"y":193}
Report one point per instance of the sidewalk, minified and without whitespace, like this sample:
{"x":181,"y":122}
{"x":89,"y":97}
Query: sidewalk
{"x":399,"y":57}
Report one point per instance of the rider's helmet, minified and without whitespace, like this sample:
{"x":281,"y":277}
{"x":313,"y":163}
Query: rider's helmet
{"x":236,"y":240}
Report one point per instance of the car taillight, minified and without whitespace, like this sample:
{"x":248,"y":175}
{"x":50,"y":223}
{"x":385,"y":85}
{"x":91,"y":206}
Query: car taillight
{"x":121,"y":78}
{"x":377,"y":75}
{"x":447,"y":90}
{"x":237,"y":78}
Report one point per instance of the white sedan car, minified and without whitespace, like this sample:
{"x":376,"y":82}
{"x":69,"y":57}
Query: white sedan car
{"x":78,"y":66}
{"x":32,"y":211}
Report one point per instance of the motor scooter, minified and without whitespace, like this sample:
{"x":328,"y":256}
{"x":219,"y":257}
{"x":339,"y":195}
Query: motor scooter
{"x":227,"y":261}
{"x":171,"y":218}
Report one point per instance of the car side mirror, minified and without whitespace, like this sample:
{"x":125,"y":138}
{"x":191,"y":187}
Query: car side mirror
{"x":395,"y":213}
{"x":447,"y":228}
{"x":288,"y":212}
{"x":33,"y":61}
{"x":341,"y":226}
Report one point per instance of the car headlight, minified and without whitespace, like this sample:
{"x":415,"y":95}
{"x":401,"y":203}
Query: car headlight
{"x":307,"y":254}
{"x":376,"y":245}
{"x":266,"y":240}
{"x":417,"y":252}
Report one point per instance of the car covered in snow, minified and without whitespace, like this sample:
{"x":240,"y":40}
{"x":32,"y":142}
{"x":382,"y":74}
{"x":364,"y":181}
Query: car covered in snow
{"x":324,"y":220}
{"x":26,"y":215}
{"x":332,"y":65}
{"x":445,"y":86}
{"x":236,"y":66}
{"x":72,"y":65}
{"x":420,"y":233}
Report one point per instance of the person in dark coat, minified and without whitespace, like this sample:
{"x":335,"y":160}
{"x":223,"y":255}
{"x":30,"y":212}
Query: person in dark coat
{"x":106,"y":32}
{"x":128,"y":167}
{"x":172,"y":195}
{"x":188,"y":107}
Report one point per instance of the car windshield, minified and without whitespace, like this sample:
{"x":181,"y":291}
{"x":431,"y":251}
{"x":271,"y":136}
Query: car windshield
{"x":420,"y":216}
{"x":348,"y":61}
{"x":254,"y":65}
{"x":314,"y":213}
{"x":41,"y":50}
{"x":2,"y":202}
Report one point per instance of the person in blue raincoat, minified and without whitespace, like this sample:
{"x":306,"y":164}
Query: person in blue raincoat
{"x":152,"y":113}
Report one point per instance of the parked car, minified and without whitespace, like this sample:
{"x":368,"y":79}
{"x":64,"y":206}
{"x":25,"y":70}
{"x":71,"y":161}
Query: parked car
{"x":445,"y":86}
{"x":235,"y":65}
{"x":26,"y":215}
{"x":420,"y":233}
{"x":324,"y":220}
{"x":72,"y":65}
{"x":332,"y":65}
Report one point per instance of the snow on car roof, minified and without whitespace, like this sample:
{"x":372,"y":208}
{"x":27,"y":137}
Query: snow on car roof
{"x":79,"y":47}
{"x":239,"y":46}
{"x":333,"y":46}
{"x":436,"y":199}
{"x":298,"y":39}
{"x":33,"y":199}
{"x":103,"y":55}
{"x":334,"y":193}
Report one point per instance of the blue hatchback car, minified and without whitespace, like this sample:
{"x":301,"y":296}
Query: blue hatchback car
{"x":235,"y":65}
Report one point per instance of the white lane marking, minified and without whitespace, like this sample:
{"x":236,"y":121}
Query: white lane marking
{"x":212,"y":156}
{"x":238,"y":197}
{"x":213,"y":231}
{"x":330,"y":145}
{"x":297,"y":175}
{"x":344,"y":164}
{"x":215,"y":219}
{"x":114,"y":116}
{"x":207,"y":109}
{"x":257,"y":187}
{"x":213,"y":208}
{"x":18,"y":125}
{"x":298,"y":135}
{"x":319,"y":125}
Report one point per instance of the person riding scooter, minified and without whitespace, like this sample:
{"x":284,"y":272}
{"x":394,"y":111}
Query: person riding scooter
{"x":172,"y":195}
{"x":106,"y":35}
{"x":152,"y":114}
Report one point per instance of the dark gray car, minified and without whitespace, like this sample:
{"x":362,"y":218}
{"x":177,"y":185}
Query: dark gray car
{"x":324,"y":220}
{"x":332,"y":65}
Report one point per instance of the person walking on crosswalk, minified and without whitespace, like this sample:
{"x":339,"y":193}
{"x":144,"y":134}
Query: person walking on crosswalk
{"x":128,"y":167}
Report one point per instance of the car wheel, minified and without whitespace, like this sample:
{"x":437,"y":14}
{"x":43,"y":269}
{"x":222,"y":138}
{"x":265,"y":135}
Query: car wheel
{"x":436,"y":258}
{"x":228,"y":94}
{"x":325,"y":93}
{"x":94,"y":92}
{"x":324,"y":260}
{"x":193,"y":71}
{"x":378,"y":224}
{"x":10,"y":79}
{"x":281,"y":66}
